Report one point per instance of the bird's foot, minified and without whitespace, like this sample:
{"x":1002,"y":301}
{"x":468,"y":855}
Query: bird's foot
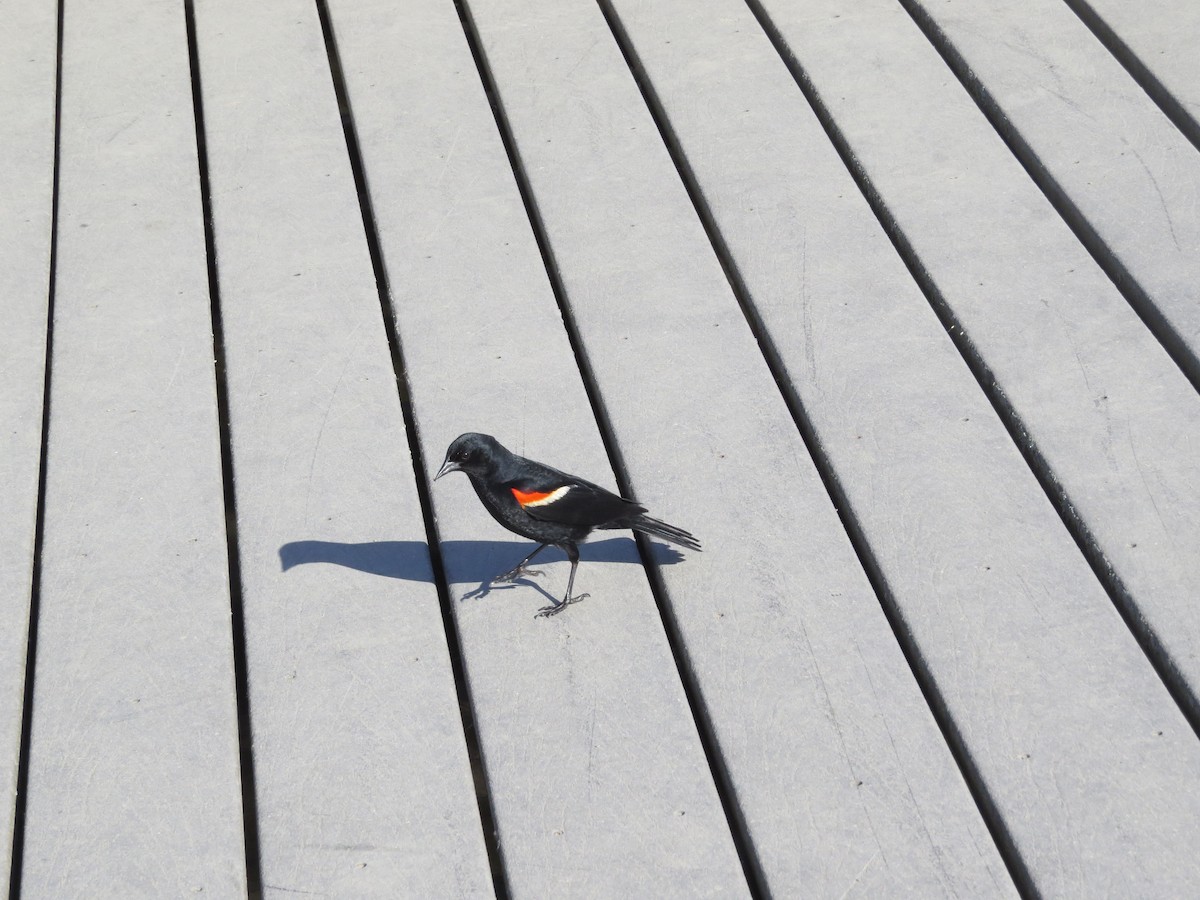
{"x":547,"y":611}
{"x":518,"y":572}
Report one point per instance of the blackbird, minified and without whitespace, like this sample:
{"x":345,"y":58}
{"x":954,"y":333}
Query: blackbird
{"x":546,"y":505}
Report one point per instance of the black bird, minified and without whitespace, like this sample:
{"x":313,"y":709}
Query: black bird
{"x":546,"y":505}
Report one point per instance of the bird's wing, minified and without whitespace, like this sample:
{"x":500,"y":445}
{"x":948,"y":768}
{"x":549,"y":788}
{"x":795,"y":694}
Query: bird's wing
{"x":557,"y":497}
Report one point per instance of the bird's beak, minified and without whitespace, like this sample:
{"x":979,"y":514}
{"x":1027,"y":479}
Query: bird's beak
{"x":447,"y":467}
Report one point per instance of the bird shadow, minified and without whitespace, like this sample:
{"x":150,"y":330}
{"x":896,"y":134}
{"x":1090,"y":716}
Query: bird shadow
{"x":466,"y":562}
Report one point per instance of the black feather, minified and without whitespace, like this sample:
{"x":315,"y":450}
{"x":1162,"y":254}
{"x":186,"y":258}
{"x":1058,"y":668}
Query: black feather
{"x":648,"y":525}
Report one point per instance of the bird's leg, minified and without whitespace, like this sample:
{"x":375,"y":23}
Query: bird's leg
{"x":555,"y":609}
{"x":519,"y":569}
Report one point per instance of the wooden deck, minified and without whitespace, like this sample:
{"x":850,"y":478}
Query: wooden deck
{"x":894,"y":303}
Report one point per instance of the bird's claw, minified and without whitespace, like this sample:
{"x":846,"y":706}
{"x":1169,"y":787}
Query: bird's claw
{"x":547,"y":611}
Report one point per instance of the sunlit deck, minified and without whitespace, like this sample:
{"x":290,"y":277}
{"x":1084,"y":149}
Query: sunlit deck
{"x":892,"y":303}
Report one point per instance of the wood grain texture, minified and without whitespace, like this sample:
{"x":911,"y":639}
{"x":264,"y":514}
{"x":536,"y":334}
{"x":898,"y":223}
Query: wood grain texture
{"x":766,"y":657}
{"x":597,"y":776}
{"x":363,"y":780}
{"x":1162,"y":35}
{"x":133,"y":780}
{"x":1078,"y":739}
{"x":27,"y":74}
{"x":1121,"y":162}
{"x":792,"y":652}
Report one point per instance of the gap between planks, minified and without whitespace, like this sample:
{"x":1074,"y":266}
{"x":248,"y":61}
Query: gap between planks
{"x":1164,"y":666}
{"x":1160,"y":658}
{"x":747,"y":855}
{"x":39,"y":528}
{"x":237,"y":609}
{"x":487,"y":815}
{"x":1118,"y":273}
{"x":1138,"y":70}
{"x":850,"y":522}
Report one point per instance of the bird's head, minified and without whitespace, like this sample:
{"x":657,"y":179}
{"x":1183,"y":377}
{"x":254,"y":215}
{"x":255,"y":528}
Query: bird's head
{"x":473,"y":453}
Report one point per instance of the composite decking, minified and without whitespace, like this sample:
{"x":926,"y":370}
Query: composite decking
{"x":894,"y":303}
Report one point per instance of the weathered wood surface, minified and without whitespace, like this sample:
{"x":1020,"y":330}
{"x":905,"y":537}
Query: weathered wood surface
{"x":133,"y":775}
{"x":596,"y":771}
{"x":1101,"y":142}
{"x":1113,"y":417}
{"x":718,"y":445}
{"x":963,"y":533}
{"x":1156,"y":40}
{"x":892,"y":671}
{"x":1131,"y":473}
{"x":363,"y":779}
{"x":27,"y":74}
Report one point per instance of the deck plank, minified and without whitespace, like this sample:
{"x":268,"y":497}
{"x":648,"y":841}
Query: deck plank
{"x":598,"y":779}
{"x":1161,"y":35}
{"x":788,"y":641}
{"x":363,"y":779}
{"x":134,"y":778}
{"x":1119,"y":160}
{"x":27,"y":84}
{"x":1108,"y":410}
{"x":596,"y":767}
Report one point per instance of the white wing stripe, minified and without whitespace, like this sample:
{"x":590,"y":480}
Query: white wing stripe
{"x":549,"y":498}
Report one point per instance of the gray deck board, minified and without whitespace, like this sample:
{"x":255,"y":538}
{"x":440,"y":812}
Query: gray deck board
{"x":363,"y":780}
{"x":1098,"y":398}
{"x":943,"y":472}
{"x":27,"y":74}
{"x":133,"y":781}
{"x":779,"y":621}
{"x":597,"y":776}
{"x":1129,"y":171}
{"x":1162,"y":35}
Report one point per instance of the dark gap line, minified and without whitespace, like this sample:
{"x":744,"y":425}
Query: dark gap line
{"x":823,"y":462}
{"x":474,"y":746}
{"x":1147,"y":637}
{"x":927,"y":681}
{"x":241,"y":676}
{"x":747,"y":855}
{"x":1139,"y":71}
{"x":16,"y":870}
{"x":1012,"y":421}
{"x":1108,"y":261}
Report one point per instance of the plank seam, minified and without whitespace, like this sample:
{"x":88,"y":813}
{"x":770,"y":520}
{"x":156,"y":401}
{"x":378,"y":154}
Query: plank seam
{"x":1138,"y":70}
{"x":1108,"y":261}
{"x":735,"y":818}
{"x":927,"y":682}
{"x":237,"y":597}
{"x":500,"y":882}
{"x":250,"y":833}
{"x":1145,"y":634}
{"x":39,"y":527}
{"x":1167,"y":670}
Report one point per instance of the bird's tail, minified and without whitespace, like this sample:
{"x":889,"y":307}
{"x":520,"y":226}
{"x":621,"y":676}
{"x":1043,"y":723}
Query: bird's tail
{"x":647,"y":525}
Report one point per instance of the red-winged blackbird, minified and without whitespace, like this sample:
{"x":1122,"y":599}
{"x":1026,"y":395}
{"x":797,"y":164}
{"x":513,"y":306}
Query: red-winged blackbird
{"x":546,"y":505}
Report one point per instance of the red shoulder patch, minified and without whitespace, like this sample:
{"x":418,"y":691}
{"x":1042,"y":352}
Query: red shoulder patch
{"x":539,"y":498}
{"x":527,"y":497}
